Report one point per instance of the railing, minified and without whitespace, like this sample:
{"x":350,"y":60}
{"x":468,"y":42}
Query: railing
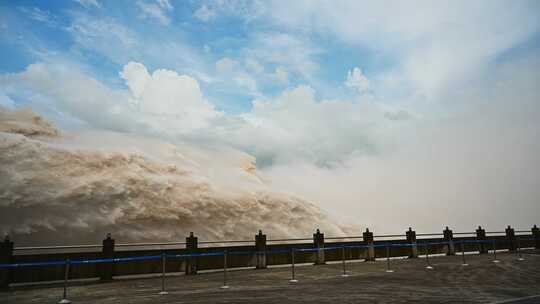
{"x":34,"y":248}
{"x":164,"y":258}
{"x":30,"y":264}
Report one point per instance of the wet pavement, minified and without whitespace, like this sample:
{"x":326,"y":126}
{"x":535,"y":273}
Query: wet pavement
{"x":482,"y":281}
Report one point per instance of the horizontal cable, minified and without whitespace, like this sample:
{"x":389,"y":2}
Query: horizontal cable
{"x":221,"y":253}
{"x":148,"y":244}
{"x":57,"y":247}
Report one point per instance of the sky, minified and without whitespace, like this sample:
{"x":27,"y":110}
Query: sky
{"x":383,"y":108}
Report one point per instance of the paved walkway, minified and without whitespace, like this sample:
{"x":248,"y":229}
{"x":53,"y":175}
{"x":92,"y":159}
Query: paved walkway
{"x":509,"y":281}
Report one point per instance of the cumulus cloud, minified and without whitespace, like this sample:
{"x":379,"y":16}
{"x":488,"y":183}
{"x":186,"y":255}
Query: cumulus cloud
{"x":165,"y":93}
{"x":357,"y":81}
{"x":164,"y":100}
{"x":297,"y":126}
{"x":79,"y":96}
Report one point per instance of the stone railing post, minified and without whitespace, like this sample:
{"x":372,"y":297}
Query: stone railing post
{"x":536,"y":235}
{"x":368,"y":239}
{"x":6,"y":257}
{"x":481,"y":236}
{"x":260,"y":248}
{"x":318,"y":242}
{"x":411,"y":239}
{"x":510,"y":238}
{"x":107,"y":252}
{"x":191,"y":247}
{"x":449,"y":237}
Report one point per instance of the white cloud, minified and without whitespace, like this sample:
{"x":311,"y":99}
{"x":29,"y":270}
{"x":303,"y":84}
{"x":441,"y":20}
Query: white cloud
{"x":477,"y":158}
{"x":167,"y":94}
{"x":119,"y":43}
{"x":296,"y":126}
{"x":204,"y":13}
{"x":157,"y":10}
{"x":163,"y":102}
{"x":356,"y":80}
{"x":137,"y":77}
{"x":282,"y":75}
{"x":230,"y":70}
{"x":104,"y":36}
{"x":246,"y":81}
{"x":40,"y":15}
{"x":246,"y":10}
{"x":293,"y":125}
{"x":254,"y":66}
{"x":165,"y":4}
{"x":285,"y":50}
{"x":226,"y":65}
{"x":88,"y":3}
{"x":79,"y":95}
{"x":437,"y":47}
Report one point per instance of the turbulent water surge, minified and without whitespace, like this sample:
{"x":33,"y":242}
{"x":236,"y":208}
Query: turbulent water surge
{"x":59,"y":188}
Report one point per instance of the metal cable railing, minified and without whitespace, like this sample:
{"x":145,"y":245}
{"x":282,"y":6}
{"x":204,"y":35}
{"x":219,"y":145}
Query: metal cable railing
{"x":225,"y":253}
{"x":383,"y":236}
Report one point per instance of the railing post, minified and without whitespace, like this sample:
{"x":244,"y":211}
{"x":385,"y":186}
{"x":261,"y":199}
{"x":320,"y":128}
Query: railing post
{"x":426,"y":250}
{"x":411,"y":239}
{"x":163,"y":271}
{"x":510,"y":238}
{"x":293,"y":277}
{"x":107,"y":269}
{"x":449,"y":237}
{"x":225,"y":286}
{"x":536,"y":235}
{"x":191,"y":246}
{"x":368,"y":239}
{"x":260,"y":248}
{"x":64,"y":299}
{"x":463,"y":262}
{"x":344,"y":274}
{"x":318,"y":242}
{"x":388,"y":258}
{"x":6,"y":257}
{"x":481,"y":236}
{"x":520,"y":257}
{"x":495,"y":251}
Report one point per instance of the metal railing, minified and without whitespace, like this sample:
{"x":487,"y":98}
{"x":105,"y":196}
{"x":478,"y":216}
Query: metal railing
{"x":353,"y":237}
{"x":164,"y":257}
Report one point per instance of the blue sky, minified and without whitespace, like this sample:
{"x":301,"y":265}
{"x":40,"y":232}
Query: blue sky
{"x":103,"y":36}
{"x":263,"y":40}
{"x":411,"y":58}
